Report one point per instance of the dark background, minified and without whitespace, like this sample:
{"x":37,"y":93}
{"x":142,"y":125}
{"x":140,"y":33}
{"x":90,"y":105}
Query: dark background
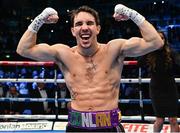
{"x":16,"y":15}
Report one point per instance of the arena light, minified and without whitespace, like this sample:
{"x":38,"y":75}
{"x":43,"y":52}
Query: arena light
{"x":8,"y":56}
{"x":173,"y":26}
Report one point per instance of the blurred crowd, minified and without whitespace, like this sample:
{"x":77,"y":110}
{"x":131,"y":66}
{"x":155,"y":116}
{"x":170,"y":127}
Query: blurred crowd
{"x":31,"y":90}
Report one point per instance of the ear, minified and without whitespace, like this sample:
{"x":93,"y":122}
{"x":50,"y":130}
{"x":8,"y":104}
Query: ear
{"x":72,"y":31}
{"x":98,"y":29}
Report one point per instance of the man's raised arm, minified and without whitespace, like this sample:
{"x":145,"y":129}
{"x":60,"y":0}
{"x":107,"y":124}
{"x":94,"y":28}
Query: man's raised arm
{"x":27,"y":46}
{"x":136,"y":46}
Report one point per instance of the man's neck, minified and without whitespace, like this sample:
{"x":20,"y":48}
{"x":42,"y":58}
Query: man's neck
{"x":88,"y":52}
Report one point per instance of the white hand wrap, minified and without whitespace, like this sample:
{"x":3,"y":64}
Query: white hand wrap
{"x":41,"y":19}
{"x":132,"y":14}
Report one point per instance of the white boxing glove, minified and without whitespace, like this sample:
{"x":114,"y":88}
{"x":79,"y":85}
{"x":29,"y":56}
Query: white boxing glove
{"x":41,"y":19}
{"x":130,"y":13}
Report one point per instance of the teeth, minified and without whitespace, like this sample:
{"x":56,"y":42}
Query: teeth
{"x":85,"y":36}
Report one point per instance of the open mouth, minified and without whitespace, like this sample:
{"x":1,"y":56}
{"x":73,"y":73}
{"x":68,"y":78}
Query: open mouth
{"x":85,"y":36}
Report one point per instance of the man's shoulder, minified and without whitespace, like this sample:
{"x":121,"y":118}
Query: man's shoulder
{"x":60,"y":45}
{"x":116,"y":41}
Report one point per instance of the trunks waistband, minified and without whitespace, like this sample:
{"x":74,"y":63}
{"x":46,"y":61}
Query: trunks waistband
{"x":95,"y":119}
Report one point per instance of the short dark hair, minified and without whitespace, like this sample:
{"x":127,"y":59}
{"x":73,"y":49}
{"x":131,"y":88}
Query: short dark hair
{"x":87,"y":9}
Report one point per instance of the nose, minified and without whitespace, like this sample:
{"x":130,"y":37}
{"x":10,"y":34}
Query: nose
{"x":84,"y":26}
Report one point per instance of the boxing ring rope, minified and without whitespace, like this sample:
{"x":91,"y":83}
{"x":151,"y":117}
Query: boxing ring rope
{"x":125,"y":80}
{"x":26,"y":63}
{"x":48,"y":63}
{"x":138,"y":80}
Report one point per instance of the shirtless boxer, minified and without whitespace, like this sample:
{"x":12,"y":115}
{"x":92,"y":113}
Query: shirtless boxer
{"x":92,"y":70}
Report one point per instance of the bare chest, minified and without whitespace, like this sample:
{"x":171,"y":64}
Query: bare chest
{"x":90,"y":68}
{"x":79,"y":68}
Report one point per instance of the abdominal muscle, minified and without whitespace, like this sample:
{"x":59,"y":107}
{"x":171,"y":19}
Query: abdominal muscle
{"x":94,"y":96}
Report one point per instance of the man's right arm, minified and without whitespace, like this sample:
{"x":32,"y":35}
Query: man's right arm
{"x":27,"y":46}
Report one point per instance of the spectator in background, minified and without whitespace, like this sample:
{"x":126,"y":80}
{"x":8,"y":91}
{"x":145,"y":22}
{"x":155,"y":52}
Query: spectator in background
{"x":12,"y":107}
{"x":24,"y":93}
{"x":1,"y":73}
{"x":2,"y":94}
{"x":23,"y":89}
{"x":62,"y":93}
{"x":2,"y":90}
{"x":163,"y":89}
{"x":41,"y":91}
{"x":34,"y":73}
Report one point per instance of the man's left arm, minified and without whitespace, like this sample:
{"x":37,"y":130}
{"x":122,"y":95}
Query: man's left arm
{"x":136,"y":46}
